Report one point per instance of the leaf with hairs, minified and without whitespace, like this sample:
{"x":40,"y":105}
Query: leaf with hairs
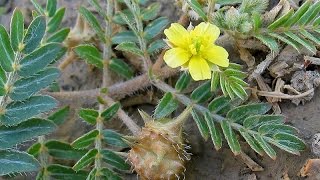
{"x":268,"y":41}
{"x":17,"y":112}
{"x":155,"y":27}
{"x":111,"y":111}
{"x":39,"y":59}
{"x":231,"y":137}
{"x":255,"y":121}
{"x":216,"y":135}
{"x":202,"y":93}
{"x":238,"y":114}
{"x":289,"y":41}
{"x":183,"y":81}
{"x":201,"y":123}
{"x":124,"y":36}
{"x":90,"y":54}
{"x":11,"y":136}
{"x":12,"y":161}
{"x":129,"y":47}
{"x":55,"y":22}
{"x":167,"y":105}
{"x":85,"y":140}
{"x":26,"y":87}
{"x":89,"y":115}
{"x":57,"y":171}
{"x":121,"y":68}
{"x":34,"y":34}
{"x":87,"y":159}
{"x":113,"y":138}
{"x":303,"y":42}
{"x":151,"y":11}
{"x":93,"y":21}
{"x":16,"y":29}
{"x":156,"y":46}
{"x":51,"y":7}
{"x":62,"y":150}
{"x":265,"y":146}
{"x":6,"y":51}
{"x":251,"y":141}
{"x":114,"y":160}
{"x":60,"y":115}
{"x":197,"y":8}
{"x":59,"y":36}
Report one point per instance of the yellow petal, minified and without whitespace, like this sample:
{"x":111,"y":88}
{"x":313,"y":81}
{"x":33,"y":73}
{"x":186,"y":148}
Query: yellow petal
{"x":217,"y":55}
{"x":176,"y":57}
{"x":209,"y":31}
{"x":178,"y":35}
{"x":199,"y":68}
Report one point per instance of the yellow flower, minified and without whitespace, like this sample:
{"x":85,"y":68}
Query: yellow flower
{"x":195,"y":49}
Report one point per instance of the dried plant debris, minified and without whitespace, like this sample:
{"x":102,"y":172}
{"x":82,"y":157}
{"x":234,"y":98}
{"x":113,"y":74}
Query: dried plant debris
{"x":311,"y":169}
{"x":303,"y":81}
{"x":315,"y":146}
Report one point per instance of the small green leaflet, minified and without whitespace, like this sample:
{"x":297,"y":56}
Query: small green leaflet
{"x":17,"y":112}
{"x":90,"y":54}
{"x":34,"y":34}
{"x":6,"y":51}
{"x":111,"y":111}
{"x":10,"y":136}
{"x":85,"y":140}
{"x":16,"y":29}
{"x":166,"y":106}
{"x":114,"y":160}
{"x":230,"y":137}
{"x":62,"y":150}
{"x":89,"y":115}
{"x":85,"y":160}
{"x":39,"y":59}
{"x":56,"y":20}
{"x":25,"y":87}
{"x":12,"y":161}
{"x":201,"y":123}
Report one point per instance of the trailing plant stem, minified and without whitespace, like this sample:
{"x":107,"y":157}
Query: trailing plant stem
{"x":187,"y":102}
{"x":106,"y":81}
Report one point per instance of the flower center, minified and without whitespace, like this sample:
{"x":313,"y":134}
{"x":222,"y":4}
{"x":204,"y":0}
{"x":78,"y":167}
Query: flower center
{"x":196,"y":46}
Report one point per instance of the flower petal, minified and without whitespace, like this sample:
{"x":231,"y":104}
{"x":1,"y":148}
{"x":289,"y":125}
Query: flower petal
{"x":176,"y":57}
{"x":199,"y":68}
{"x":217,"y":55}
{"x":178,"y":35}
{"x":207,"y":30}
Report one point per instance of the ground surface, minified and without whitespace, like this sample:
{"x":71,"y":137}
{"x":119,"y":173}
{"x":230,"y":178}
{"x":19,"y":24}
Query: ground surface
{"x":206,"y":163}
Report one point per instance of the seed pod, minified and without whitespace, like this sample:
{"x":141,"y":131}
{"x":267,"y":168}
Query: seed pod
{"x":159,"y":151}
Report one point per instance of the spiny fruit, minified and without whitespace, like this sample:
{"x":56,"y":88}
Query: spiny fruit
{"x":159,"y":151}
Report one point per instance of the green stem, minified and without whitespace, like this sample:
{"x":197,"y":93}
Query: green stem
{"x":187,"y":102}
{"x":135,"y":10}
{"x":280,"y":30}
{"x":106,"y":81}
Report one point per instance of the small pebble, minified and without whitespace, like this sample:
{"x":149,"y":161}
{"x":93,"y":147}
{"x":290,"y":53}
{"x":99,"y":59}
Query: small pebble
{"x":316,"y":144}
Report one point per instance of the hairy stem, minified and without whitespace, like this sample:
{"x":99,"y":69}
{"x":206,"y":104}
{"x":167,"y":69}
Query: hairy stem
{"x":106,"y":81}
{"x":132,"y":126}
{"x":134,"y":8}
{"x":116,"y":91}
{"x":187,"y":102}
